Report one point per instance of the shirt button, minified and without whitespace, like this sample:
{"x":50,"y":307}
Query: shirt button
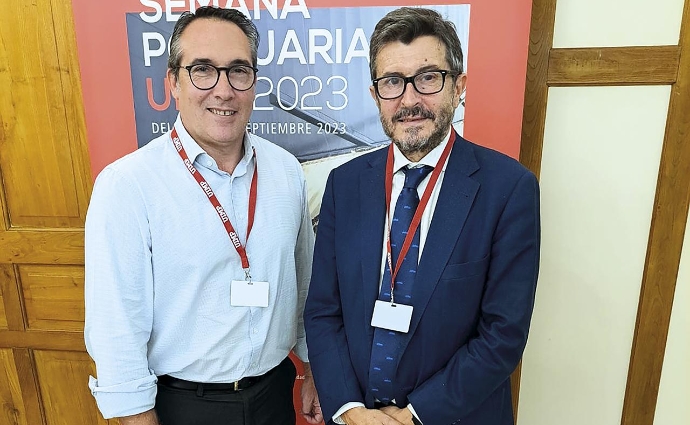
{"x":255,"y":330}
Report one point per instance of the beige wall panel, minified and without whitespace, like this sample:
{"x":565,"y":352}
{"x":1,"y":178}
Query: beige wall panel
{"x":62,"y":378}
{"x":11,"y":402}
{"x":613,"y":23}
{"x":602,"y":147}
{"x":53,"y":297}
{"x":673,"y":403}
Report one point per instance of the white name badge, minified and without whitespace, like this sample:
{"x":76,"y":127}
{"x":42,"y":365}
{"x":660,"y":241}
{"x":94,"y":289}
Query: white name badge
{"x":248,"y":294}
{"x":394,"y":317}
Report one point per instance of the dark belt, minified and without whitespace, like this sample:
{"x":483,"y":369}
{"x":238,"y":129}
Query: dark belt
{"x":201,"y":387}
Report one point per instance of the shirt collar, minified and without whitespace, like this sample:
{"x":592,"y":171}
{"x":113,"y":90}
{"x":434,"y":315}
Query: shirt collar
{"x":400,"y":161}
{"x":194,"y":150}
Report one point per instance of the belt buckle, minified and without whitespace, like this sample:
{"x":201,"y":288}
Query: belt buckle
{"x":237,"y":385}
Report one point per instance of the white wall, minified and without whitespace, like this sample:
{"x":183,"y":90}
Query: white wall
{"x":599,"y":169}
{"x":615,"y":23}
{"x":602,"y":147}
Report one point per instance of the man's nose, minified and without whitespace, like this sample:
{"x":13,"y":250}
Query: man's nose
{"x":223,"y":89}
{"x":410,"y":95}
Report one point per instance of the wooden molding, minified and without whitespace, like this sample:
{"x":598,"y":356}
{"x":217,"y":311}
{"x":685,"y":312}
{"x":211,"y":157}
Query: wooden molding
{"x":43,"y":340}
{"x":31,"y":396}
{"x":536,"y":87}
{"x":619,"y":66}
{"x":12,"y":298}
{"x":534,"y":113}
{"x":663,"y":249}
{"x":42,"y":246}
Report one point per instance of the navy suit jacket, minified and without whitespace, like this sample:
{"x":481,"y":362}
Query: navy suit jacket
{"x":473,"y":294}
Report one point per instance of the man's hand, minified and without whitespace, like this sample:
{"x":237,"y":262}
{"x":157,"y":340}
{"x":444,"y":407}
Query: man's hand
{"x":147,"y":418}
{"x":311,"y":409}
{"x":404,"y":415}
{"x":364,"y":416}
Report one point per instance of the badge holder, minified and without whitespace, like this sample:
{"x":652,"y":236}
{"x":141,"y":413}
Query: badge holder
{"x":247,"y":293}
{"x":392,"y":316}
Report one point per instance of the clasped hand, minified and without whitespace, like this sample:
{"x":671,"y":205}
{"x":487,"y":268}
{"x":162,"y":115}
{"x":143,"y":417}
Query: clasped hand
{"x":389,"y":415}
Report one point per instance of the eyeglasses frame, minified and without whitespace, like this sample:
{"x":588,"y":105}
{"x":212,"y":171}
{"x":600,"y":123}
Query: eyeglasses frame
{"x":218,"y":71}
{"x":410,"y":79}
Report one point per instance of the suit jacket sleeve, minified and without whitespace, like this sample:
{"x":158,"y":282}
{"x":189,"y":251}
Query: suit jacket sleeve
{"x":486,"y":361}
{"x":330,"y":361}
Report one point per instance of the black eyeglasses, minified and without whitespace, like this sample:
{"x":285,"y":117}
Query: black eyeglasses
{"x":205,"y":76}
{"x":428,"y":82}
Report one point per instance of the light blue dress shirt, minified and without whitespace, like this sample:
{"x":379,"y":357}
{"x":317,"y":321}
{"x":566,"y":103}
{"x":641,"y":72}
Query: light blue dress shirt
{"x":159,"y":265}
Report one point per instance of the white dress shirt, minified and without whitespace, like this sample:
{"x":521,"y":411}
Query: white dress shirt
{"x":159,"y":265}
{"x":400,"y":162}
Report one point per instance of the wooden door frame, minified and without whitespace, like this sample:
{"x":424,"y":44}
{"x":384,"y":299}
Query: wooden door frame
{"x":626,"y":66}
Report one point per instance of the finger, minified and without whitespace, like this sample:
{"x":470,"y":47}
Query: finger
{"x":389,"y":410}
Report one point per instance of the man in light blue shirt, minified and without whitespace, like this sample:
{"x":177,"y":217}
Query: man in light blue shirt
{"x":198,"y":253}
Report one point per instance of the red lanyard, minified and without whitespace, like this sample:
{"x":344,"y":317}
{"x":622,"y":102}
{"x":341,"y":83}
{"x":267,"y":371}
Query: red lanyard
{"x":216,"y":204}
{"x":417,"y":218}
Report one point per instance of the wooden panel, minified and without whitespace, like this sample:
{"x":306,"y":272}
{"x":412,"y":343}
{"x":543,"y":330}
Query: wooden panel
{"x":664,"y":249}
{"x":42,"y":182}
{"x":53,"y":297}
{"x":12,"y":315}
{"x":12,"y":412}
{"x":66,"y":43}
{"x":613,"y":66}
{"x":62,"y":378}
{"x":57,"y":247}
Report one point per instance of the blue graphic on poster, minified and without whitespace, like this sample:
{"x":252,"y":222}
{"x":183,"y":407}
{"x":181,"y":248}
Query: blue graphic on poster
{"x":312,"y":93}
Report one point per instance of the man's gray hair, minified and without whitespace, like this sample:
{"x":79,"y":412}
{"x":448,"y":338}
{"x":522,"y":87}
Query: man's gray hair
{"x":407,"y":24}
{"x":211,"y":12}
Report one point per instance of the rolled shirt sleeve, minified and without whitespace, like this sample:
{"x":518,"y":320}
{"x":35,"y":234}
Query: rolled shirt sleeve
{"x":119,"y":296}
{"x":126,"y":399}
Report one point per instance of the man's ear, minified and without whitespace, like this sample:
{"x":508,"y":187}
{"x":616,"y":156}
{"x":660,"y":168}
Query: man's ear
{"x":173,"y":81}
{"x":372,"y":92}
{"x":458,"y":88}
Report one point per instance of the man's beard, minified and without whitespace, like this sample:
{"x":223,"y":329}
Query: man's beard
{"x":412,"y":142}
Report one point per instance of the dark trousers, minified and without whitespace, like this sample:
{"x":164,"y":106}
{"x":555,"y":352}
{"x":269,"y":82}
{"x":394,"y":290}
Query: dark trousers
{"x":267,"y":402}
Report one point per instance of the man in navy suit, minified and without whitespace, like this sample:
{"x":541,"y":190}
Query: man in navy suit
{"x":422,"y":292}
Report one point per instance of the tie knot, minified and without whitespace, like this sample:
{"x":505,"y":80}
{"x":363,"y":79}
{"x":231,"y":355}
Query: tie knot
{"x":414,"y":176}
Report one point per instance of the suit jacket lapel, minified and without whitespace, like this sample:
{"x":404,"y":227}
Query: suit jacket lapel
{"x":457,"y":194}
{"x":372,"y":216}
